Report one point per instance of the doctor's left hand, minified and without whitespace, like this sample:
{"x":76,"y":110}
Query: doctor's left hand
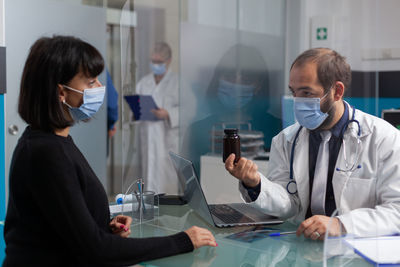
{"x":161,"y":113}
{"x":316,"y":226}
{"x":120,"y":225}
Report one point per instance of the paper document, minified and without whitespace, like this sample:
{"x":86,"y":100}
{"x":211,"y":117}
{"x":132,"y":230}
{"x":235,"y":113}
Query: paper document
{"x":141,"y":106}
{"x":378,"y":250}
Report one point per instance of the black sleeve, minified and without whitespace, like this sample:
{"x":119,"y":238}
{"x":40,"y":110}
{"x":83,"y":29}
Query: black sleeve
{"x":57,"y":191}
{"x":253,"y":191}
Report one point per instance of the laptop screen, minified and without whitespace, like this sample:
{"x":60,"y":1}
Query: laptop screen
{"x":193,"y":192}
{"x":392,"y":116}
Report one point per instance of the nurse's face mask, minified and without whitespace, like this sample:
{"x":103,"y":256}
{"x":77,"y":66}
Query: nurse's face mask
{"x":307,"y":111}
{"x":158,"y":64}
{"x":92,"y":101}
{"x":158,"y":69}
{"x":234,"y":96}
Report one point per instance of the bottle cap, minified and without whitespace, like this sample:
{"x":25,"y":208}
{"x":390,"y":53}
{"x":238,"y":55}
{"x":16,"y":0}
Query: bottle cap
{"x":231,"y":131}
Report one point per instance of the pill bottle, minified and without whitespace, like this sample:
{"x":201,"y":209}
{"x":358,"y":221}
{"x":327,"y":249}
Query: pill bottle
{"x":231,"y":144}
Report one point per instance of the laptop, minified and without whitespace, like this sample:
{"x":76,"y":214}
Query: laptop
{"x":220,"y":215}
{"x":392,"y":116}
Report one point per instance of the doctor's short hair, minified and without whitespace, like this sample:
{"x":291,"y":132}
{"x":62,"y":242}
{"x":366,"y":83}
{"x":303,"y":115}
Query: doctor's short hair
{"x":331,"y":66}
{"x":162,"y":48}
{"x":53,"y":61}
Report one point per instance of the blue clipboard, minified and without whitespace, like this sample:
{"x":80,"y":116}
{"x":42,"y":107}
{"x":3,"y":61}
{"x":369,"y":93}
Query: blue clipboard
{"x":141,"y":106}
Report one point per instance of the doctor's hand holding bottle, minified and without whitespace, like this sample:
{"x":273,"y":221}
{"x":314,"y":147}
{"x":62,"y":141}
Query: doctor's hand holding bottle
{"x":244,"y":170}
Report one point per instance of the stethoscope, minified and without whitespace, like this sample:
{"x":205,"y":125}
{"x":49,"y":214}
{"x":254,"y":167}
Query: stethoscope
{"x":291,"y":186}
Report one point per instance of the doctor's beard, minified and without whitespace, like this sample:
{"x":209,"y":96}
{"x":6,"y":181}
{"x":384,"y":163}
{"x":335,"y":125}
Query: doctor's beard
{"x":328,"y":107}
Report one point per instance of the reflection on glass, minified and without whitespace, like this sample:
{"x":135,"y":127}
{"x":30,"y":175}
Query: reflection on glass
{"x":227,"y":75}
{"x":237,"y":95}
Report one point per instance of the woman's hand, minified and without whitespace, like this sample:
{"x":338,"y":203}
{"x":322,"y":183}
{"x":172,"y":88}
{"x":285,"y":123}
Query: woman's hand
{"x":120,"y":225}
{"x":201,"y":237}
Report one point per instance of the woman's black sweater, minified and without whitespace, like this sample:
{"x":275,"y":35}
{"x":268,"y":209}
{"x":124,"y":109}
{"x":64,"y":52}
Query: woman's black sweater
{"x":58,"y":211}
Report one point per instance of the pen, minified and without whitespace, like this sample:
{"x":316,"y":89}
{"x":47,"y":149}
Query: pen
{"x":282,"y":233}
{"x":261,"y":231}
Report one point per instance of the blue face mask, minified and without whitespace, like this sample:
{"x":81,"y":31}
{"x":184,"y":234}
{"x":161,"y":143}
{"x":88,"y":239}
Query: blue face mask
{"x":92,"y":101}
{"x":307,"y":112}
{"x":234,"y":96}
{"x":158,"y":69}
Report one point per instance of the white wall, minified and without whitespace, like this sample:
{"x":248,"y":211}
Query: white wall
{"x":361,"y":30}
{"x":2,"y":19}
{"x":259,"y":16}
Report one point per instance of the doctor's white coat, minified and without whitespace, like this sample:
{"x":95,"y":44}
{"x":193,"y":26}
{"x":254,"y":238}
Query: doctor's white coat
{"x":368,"y":199}
{"x":154,"y":139}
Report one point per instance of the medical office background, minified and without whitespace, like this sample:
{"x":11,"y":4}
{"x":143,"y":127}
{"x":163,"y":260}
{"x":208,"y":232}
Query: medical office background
{"x":245,"y":40}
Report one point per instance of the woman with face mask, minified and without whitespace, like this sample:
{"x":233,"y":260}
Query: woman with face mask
{"x":58,"y":211}
{"x":238,"y":92}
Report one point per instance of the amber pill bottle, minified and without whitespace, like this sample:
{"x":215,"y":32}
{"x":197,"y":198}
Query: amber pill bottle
{"x":231,"y":144}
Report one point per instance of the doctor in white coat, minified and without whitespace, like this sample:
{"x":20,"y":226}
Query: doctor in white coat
{"x":364,"y":175}
{"x":153,"y":139}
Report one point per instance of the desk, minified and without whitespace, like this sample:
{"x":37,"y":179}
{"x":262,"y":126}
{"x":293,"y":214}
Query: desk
{"x":277,"y":251}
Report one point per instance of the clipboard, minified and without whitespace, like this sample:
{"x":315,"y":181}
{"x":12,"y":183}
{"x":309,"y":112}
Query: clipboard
{"x":141,"y":106}
{"x":379,"y":251}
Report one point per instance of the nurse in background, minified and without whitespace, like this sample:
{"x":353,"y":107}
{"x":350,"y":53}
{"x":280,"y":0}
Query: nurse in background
{"x":154,"y":139}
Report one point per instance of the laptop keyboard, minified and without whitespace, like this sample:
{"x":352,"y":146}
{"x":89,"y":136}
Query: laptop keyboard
{"x":229,"y":215}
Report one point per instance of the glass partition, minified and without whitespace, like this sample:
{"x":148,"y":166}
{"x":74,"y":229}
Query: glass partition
{"x":232,"y":76}
{"x":219,"y":73}
{"x":150,"y":95}
{"x":229,"y":63}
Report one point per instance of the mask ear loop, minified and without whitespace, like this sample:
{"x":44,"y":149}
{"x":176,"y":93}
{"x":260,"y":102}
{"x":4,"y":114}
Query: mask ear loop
{"x":65,"y":103}
{"x":72,"y":89}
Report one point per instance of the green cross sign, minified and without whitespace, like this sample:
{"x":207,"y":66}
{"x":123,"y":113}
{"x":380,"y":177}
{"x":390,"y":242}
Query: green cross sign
{"x":322,"y":33}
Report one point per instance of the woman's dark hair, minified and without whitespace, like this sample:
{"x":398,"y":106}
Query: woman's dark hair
{"x":53,"y":61}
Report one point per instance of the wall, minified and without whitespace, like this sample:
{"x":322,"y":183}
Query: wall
{"x":363,"y":30}
{"x":366,"y":32}
{"x":259,"y":16}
